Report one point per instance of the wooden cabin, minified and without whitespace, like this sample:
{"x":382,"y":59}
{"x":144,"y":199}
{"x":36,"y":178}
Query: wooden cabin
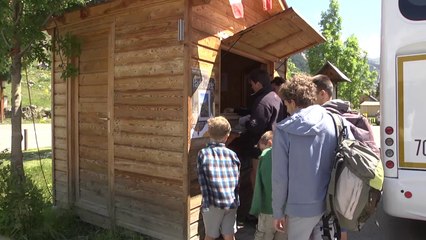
{"x":127,"y":129}
{"x":335,"y":76}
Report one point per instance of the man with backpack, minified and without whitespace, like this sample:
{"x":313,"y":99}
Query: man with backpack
{"x":302,"y":161}
{"x":359,"y":125}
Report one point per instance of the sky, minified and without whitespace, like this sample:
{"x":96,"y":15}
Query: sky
{"x":359,"y":17}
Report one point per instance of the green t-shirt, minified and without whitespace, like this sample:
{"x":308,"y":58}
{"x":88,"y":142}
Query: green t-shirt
{"x":262,"y":195}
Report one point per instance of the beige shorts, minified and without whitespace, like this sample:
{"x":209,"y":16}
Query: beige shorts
{"x":265,"y":229}
{"x":219,"y":221}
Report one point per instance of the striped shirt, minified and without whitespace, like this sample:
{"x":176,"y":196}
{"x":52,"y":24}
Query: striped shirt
{"x":218,"y":173}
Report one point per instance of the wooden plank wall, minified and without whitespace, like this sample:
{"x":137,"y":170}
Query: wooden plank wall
{"x":148,"y":118}
{"x":92,"y":113}
{"x":209,"y":22}
{"x":85,"y":124}
{"x":60,"y":137}
{"x":149,"y":121}
{"x":148,"y":178}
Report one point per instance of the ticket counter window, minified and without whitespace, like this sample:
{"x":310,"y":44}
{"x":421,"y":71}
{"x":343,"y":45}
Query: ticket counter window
{"x":235,"y":87}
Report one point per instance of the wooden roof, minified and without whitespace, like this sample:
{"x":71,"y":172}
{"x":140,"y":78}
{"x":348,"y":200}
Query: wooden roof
{"x":333,"y":73}
{"x":280,"y":36}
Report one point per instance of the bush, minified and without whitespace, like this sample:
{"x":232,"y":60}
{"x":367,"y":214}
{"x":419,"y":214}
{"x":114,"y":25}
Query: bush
{"x":21,"y":206}
{"x":26,"y":210}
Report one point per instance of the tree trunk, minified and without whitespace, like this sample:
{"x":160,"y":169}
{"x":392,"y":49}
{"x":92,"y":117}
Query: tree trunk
{"x":17,"y":165}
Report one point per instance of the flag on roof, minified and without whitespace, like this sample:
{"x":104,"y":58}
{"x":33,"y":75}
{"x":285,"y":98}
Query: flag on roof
{"x":267,"y":5}
{"x":237,"y":8}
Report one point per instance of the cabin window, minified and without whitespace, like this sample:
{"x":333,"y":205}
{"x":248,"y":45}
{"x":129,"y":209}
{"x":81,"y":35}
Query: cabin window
{"x":235,"y":88}
{"x":413,"y":9}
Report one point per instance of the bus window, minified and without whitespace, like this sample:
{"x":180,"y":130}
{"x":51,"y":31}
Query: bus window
{"x":413,"y":9}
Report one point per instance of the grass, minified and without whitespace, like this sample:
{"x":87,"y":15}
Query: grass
{"x":40,"y":171}
{"x":40,"y":87}
{"x":70,"y":226}
{"x":7,"y":121}
{"x":40,"y":90}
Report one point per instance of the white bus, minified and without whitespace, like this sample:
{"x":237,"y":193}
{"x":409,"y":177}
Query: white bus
{"x":403,"y":107}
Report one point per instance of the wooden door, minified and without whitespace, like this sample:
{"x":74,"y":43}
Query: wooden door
{"x":92,"y":124}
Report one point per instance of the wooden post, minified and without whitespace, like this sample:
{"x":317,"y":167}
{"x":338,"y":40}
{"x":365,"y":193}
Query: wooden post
{"x":25,"y":139}
{"x":283,"y":4}
{"x":285,"y":63}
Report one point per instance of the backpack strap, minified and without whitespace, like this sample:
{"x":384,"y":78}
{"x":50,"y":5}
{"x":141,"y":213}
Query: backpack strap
{"x":341,"y":130}
{"x":330,"y":215}
{"x":326,"y":228}
{"x":336,"y":131}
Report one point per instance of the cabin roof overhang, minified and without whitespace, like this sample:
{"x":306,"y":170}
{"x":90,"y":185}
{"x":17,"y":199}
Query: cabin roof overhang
{"x":278,"y":37}
{"x":333,"y":73}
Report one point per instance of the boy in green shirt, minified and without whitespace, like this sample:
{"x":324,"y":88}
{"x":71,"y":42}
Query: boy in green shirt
{"x":261,"y":205}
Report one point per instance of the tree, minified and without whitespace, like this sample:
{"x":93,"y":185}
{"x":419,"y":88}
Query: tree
{"x":300,"y":61}
{"x":22,"y":41}
{"x":347,"y":56}
{"x":291,"y":69}
{"x":356,"y":66}
{"x":331,"y":50}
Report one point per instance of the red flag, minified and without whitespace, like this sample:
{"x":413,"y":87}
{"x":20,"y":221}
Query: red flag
{"x":267,"y":5}
{"x":237,"y":8}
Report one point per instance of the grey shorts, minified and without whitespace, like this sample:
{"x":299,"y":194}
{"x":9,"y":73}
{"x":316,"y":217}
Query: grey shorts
{"x":265,"y":229}
{"x":302,"y":228}
{"x":219,"y":221}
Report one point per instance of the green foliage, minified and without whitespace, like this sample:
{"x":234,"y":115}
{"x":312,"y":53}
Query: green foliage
{"x":23,"y":41}
{"x":3,"y":155}
{"x":119,"y":234}
{"x":41,"y":180}
{"x":347,"y":56}
{"x":331,"y":50}
{"x":21,"y":32}
{"x":4,"y":75}
{"x":296,"y":64}
{"x":300,"y":62}
{"x":39,"y":79}
{"x":357,"y":68}
{"x":25,"y":21}
{"x":62,"y":224}
{"x":69,"y":47}
{"x":33,"y":167}
{"x":50,"y":223}
{"x":291,"y":69}
{"x":21,"y":206}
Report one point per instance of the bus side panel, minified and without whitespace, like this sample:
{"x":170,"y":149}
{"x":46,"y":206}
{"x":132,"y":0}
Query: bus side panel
{"x":402,"y":87}
{"x":396,"y":203}
{"x":388,"y":93}
{"x":400,"y":91}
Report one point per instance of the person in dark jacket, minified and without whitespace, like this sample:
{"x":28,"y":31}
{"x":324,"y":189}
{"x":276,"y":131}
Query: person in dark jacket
{"x":265,"y":111}
{"x":276,"y":83}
